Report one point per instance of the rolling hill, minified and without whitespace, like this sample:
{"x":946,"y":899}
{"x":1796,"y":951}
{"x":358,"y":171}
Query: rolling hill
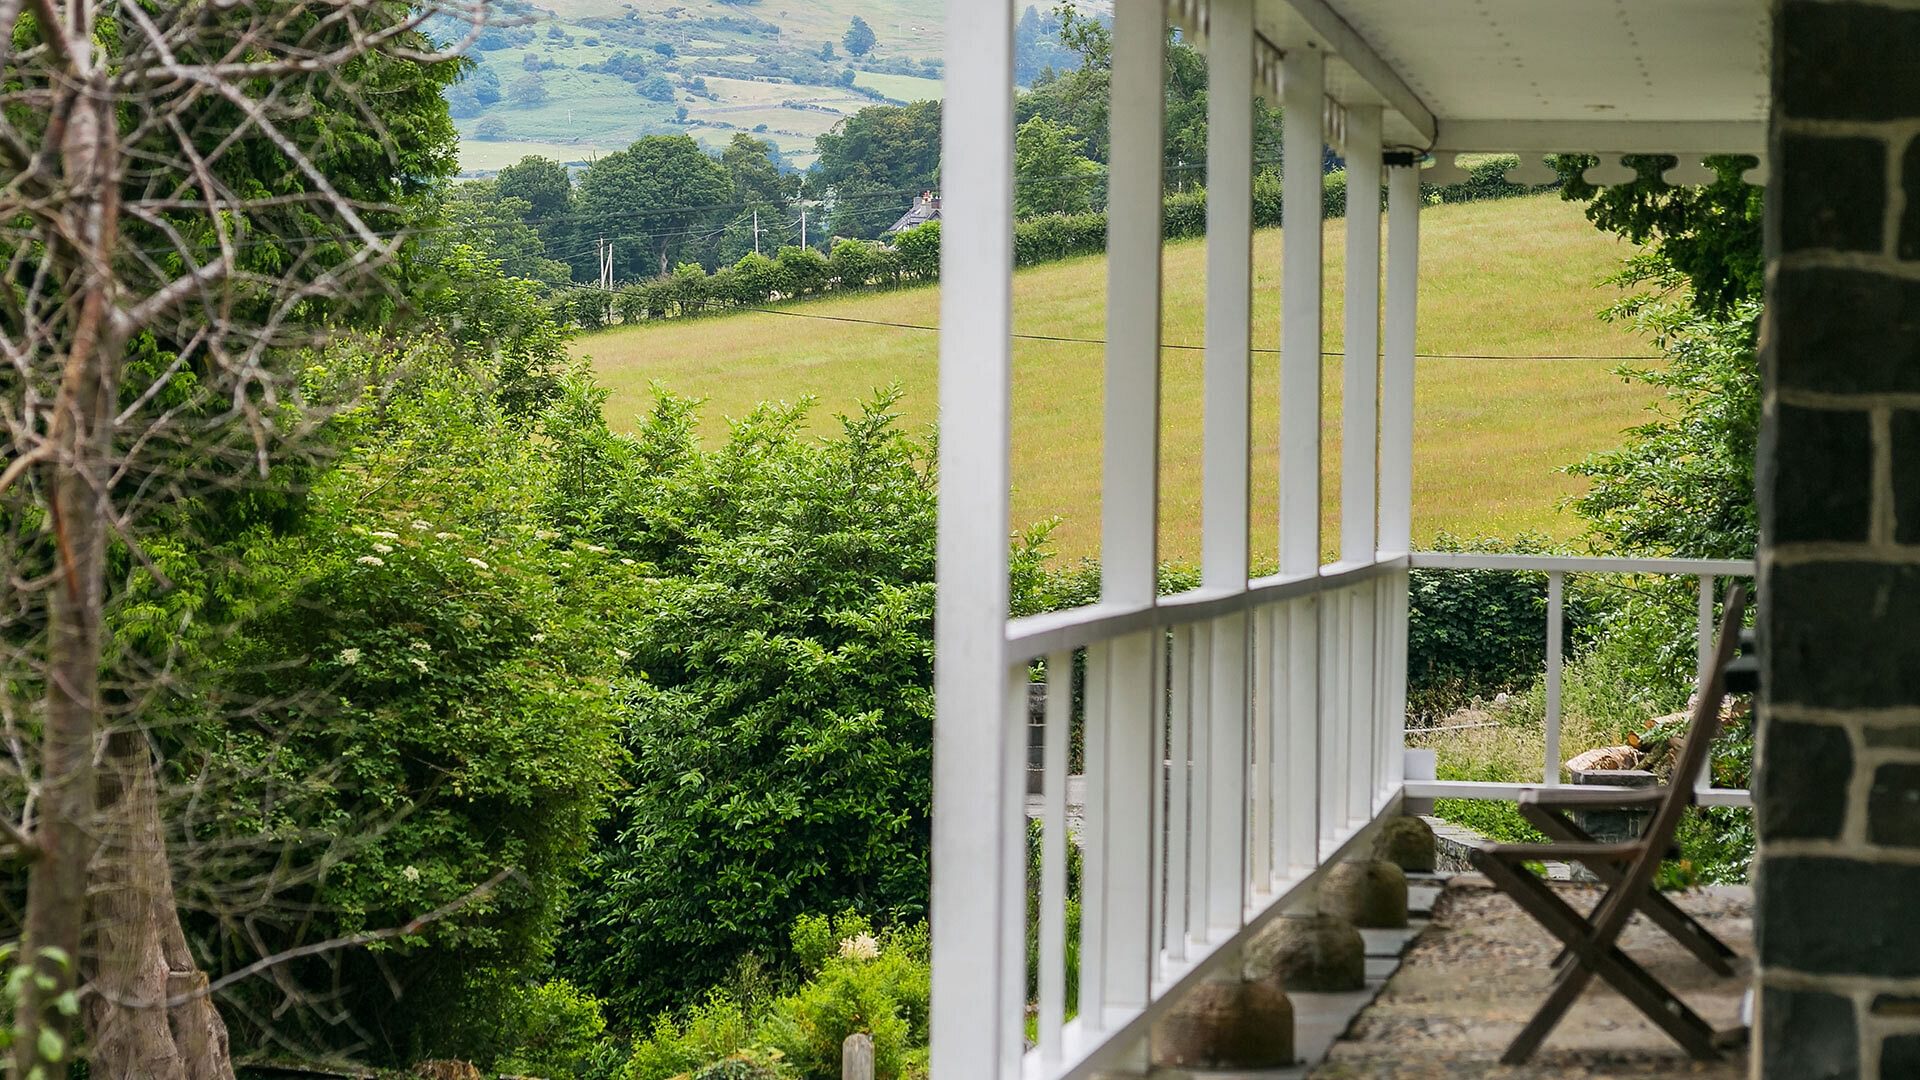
{"x":573,"y":79}
{"x":1511,"y":278}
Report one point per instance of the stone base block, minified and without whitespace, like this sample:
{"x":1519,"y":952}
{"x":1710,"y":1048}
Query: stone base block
{"x":1367,"y":893}
{"x":1406,"y":842}
{"x":1227,"y":1024}
{"x":1316,"y":953}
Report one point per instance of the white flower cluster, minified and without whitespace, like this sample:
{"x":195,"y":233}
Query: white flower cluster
{"x":371,"y":560}
{"x":859,"y":947}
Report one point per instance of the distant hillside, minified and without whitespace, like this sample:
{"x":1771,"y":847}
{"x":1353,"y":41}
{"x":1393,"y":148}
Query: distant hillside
{"x":573,"y":79}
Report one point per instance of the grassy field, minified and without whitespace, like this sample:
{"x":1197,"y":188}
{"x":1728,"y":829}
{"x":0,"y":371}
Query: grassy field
{"x":899,"y":87}
{"x":1514,"y":277}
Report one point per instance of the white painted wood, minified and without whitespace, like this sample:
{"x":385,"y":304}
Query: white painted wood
{"x":1011,"y":821}
{"x":1093,"y":846}
{"x":1360,"y":364}
{"x":1340,"y":38}
{"x":1303,"y":87}
{"x":1303,"y":721}
{"x":1128,"y":873}
{"x":1579,"y":564}
{"x":1179,"y":795}
{"x":1228,"y":389}
{"x":1556,"y":583}
{"x":1200,"y":821}
{"x":1362,"y":722}
{"x":1603,"y":136}
{"x":1396,"y":362}
{"x":971,"y":1035}
{"x":1260,"y":776}
{"x":1498,"y":792}
{"x":1330,"y":815}
{"x":1130,"y":489}
{"x":1280,"y":738}
{"x":1058,"y":736}
{"x":1227,"y":777}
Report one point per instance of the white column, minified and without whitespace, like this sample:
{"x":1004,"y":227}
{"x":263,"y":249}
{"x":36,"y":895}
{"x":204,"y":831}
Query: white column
{"x":1129,"y":494}
{"x":1396,"y":365}
{"x":1360,"y":367}
{"x":975,"y":1030}
{"x":1228,"y":393}
{"x":1130,"y":488}
{"x":1303,"y":79}
{"x":1396,"y":435}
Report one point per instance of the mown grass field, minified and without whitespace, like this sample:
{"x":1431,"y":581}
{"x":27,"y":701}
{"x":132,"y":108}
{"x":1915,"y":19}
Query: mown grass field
{"x":1510,"y":278}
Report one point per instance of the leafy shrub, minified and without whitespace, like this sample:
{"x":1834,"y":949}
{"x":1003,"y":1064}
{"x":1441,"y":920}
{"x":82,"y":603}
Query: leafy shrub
{"x":715,"y":1028}
{"x":557,"y":1032}
{"x":1475,"y":633}
{"x":885,"y":995}
{"x":437,"y":672}
{"x":781,"y":706}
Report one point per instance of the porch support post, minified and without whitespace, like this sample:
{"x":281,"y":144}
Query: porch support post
{"x":1359,"y":458}
{"x":1837,"y":782}
{"x":1228,"y":394}
{"x":1396,"y":436}
{"x":1129,"y":499}
{"x":1302,"y":92}
{"x":979,"y":838}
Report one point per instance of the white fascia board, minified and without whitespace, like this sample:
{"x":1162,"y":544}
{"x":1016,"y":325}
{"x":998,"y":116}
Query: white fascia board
{"x":1345,"y":43}
{"x":1603,"y":136}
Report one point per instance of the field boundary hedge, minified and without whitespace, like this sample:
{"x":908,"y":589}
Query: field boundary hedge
{"x":914,"y":256}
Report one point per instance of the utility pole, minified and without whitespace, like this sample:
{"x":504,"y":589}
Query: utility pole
{"x":756,"y":230}
{"x":604,"y":248}
{"x":803,"y":224}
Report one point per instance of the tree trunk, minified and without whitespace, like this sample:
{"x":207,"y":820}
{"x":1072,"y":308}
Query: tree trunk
{"x":98,"y":838}
{"x":150,"y":1014}
{"x":74,"y":476}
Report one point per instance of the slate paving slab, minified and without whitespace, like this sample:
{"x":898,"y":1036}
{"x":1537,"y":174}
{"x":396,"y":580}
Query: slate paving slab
{"x":1469,"y":983}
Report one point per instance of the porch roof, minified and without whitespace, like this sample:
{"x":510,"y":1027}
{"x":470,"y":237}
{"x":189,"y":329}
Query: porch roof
{"x":1674,"y":76}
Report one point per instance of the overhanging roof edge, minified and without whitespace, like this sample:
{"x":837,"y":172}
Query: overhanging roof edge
{"x":1344,"y":42}
{"x":1602,"y":136}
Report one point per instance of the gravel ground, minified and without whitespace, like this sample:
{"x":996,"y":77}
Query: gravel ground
{"x":1479,"y":972}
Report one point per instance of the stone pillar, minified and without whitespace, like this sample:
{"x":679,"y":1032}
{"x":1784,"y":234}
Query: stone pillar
{"x":1838,"y":874}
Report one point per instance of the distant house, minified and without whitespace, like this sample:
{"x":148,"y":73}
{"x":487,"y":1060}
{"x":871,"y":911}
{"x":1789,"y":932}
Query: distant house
{"x":924,"y":209}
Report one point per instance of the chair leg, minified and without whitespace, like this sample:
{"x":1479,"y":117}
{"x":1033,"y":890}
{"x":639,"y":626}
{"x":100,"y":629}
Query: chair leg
{"x":1593,"y":957}
{"x":1684,"y":929}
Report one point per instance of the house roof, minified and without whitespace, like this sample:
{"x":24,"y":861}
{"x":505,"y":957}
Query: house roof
{"x":925,"y":208}
{"x":1673,"y":76}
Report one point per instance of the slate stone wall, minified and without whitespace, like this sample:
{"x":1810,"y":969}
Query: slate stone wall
{"x":1838,"y":876}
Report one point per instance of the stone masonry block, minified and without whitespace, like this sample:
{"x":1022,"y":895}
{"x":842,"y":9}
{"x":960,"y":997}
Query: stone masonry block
{"x":1809,"y":1036}
{"x":1859,"y":612}
{"x":1845,"y":331}
{"x":1893,"y":806}
{"x":1805,"y":797}
{"x":1906,"y":475}
{"x":1823,"y":487}
{"x":1909,"y":244}
{"x":1837,"y":188}
{"x":1878,"y":79}
{"x":1832,"y":915}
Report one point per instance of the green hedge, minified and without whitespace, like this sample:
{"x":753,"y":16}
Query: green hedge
{"x":914,"y":255}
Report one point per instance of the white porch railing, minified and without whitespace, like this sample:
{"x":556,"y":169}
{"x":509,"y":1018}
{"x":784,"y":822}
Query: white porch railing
{"x":1240,"y":737}
{"x":1556,"y":568}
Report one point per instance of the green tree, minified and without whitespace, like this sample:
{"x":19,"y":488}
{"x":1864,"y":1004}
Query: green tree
{"x":529,"y":91}
{"x":1050,"y":175}
{"x":778,"y":749}
{"x":858,"y":38}
{"x":496,"y":226}
{"x":651,"y":200}
{"x":875,"y":160}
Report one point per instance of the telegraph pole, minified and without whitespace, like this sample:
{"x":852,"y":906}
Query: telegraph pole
{"x":756,"y":230}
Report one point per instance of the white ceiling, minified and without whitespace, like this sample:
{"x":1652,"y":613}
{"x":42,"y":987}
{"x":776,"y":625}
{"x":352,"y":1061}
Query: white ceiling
{"x":1681,"y":74}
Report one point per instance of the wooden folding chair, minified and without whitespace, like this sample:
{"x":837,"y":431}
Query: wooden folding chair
{"x":1627,"y":870}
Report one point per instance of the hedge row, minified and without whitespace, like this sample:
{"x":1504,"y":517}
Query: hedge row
{"x":914,"y":255}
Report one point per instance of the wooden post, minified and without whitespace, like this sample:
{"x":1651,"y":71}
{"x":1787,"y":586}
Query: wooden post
{"x":856,"y":1057}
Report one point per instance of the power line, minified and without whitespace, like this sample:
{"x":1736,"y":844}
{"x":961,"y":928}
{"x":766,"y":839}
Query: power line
{"x":1068,"y":340}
